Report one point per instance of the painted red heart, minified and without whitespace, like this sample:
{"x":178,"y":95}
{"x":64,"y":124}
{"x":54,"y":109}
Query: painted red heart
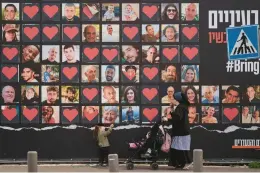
{"x":190,"y":53}
{"x":31,"y":32}
{"x":150,"y":93}
{"x":91,"y":116}
{"x":150,"y":73}
{"x":170,"y":53}
{"x":190,"y":32}
{"x":87,"y":12}
{"x":10,"y":53}
{"x":70,"y":72}
{"x":231,"y":113}
{"x":90,"y":93}
{"x":70,"y":114}
{"x":91,"y":53}
{"x":150,"y":114}
{"x":30,"y":114}
{"x":71,"y":32}
{"x":150,"y":11}
{"x":9,"y":72}
{"x":50,"y":32}
{"x":50,"y":11}
{"x":110,"y":54}
{"x":129,"y":76}
{"x":31,"y":11}
{"x":130,"y":32}
{"x":9,"y":113}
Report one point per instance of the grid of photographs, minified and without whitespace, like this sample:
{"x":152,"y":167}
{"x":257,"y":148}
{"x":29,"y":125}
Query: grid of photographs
{"x":88,"y":62}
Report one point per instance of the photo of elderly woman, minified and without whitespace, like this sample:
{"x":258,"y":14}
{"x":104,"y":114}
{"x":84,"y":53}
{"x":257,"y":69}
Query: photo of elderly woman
{"x":190,"y":73}
{"x":129,"y":94}
{"x":170,"y":11}
{"x":110,"y":114}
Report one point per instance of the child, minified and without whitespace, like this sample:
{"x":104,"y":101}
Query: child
{"x":109,"y":15}
{"x":129,"y":14}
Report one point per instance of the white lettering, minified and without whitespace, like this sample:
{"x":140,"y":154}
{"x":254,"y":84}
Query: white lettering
{"x":232,"y":17}
{"x":237,"y":66}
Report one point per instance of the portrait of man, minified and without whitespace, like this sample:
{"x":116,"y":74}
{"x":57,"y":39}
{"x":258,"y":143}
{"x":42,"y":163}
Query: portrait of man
{"x":110,"y":33}
{"x":170,"y":33}
{"x":71,"y":95}
{"x":30,"y":54}
{"x":90,"y":34}
{"x":131,"y":71}
{"x":29,"y":74}
{"x":190,"y":12}
{"x":53,"y":53}
{"x":130,"y":54}
{"x":169,"y":97}
{"x":251,"y":95}
{"x":49,"y":75}
{"x":69,"y":13}
{"x":169,"y":74}
{"x":111,"y":73}
{"x":90,"y":73}
{"x":150,"y":35}
{"x":231,"y":95}
{"x":209,"y":117}
{"x":8,"y":94}
{"x":110,"y":94}
{"x":69,"y":54}
{"x":246,"y":115}
{"x":209,"y":94}
{"x":52,"y":94}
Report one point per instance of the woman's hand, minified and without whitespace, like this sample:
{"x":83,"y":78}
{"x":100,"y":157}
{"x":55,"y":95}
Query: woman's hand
{"x":174,"y":103}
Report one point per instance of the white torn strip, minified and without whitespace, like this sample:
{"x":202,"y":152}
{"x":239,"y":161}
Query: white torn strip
{"x":72,"y":127}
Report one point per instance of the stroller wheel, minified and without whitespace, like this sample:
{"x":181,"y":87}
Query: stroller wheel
{"x":129,"y":166}
{"x":154,"y":166}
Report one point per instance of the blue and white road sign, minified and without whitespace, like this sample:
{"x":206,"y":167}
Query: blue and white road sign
{"x":243,"y":42}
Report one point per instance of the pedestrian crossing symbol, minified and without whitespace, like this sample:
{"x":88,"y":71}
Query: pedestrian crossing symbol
{"x":243,"y":42}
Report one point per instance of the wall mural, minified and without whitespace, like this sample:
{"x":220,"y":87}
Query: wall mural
{"x":66,"y":66}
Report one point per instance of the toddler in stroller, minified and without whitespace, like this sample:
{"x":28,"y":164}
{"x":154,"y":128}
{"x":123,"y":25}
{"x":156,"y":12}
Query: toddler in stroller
{"x":149,"y":147}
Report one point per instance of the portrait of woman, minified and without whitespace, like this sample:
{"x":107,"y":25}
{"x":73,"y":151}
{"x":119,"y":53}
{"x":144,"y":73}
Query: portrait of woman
{"x":29,"y":96}
{"x":192,"y":95}
{"x":190,"y":73}
{"x":130,"y":95}
{"x":170,"y":12}
{"x":255,"y":118}
{"x":10,"y":33}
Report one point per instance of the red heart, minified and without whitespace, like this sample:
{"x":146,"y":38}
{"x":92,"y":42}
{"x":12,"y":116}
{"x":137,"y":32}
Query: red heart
{"x":110,"y":54}
{"x":190,"y":32}
{"x":190,"y":53}
{"x":87,"y":12}
{"x":70,"y":72}
{"x":9,"y":113}
{"x":70,"y":114}
{"x":31,"y":11}
{"x":91,"y":116}
{"x":91,"y":53}
{"x":71,"y":32}
{"x":129,"y":76}
{"x":230,"y":113}
{"x":90,"y":93}
{"x":50,"y":10}
{"x":150,"y":10}
{"x":31,"y":32}
{"x":50,"y":32}
{"x":10,"y":53}
{"x":150,"y":113}
{"x":9,"y":72}
{"x":130,"y":32}
{"x":150,"y":93}
{"x":150,"y":73}
{"x":170,"y":53}
{"x":30,"y":114}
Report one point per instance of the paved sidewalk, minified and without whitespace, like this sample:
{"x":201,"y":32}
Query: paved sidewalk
{"x":138,"y":168}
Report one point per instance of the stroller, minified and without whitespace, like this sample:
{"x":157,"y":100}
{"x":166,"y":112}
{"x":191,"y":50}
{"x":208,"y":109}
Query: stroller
{"x":153,"y":141}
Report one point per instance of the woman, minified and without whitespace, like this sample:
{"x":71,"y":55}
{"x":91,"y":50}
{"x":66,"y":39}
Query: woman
{"x":256,"y":119}
{"x":10,"y":33}
{"x":180,"y":147}
{"x":30,"y":96}
{"x":100,"y":134}
{"x":130,"y":95}
{"x":191,"y":94}
{"x":189,"y":75}
{"x":170,"y":12}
